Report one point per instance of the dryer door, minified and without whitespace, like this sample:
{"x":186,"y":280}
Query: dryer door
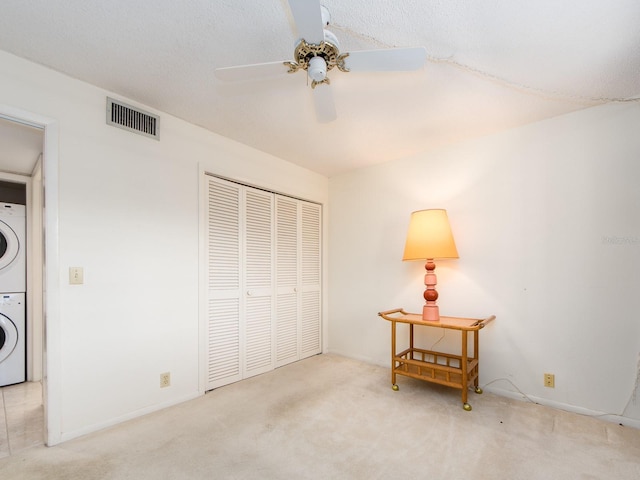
{"x":9,"y":245}
{"x":8,"y":337}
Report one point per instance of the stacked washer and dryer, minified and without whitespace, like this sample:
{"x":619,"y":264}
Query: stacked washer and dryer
{"x":13,"y":285}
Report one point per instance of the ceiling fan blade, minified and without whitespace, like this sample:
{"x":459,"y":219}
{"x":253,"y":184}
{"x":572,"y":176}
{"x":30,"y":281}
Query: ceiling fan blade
{"x":308,"y":17}
{"x":325,"y":105}
{"x":387,"y":60}
{"x":258,"y":71}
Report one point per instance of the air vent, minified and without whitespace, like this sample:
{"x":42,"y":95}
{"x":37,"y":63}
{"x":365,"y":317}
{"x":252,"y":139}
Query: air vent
{"x":133,"y":119}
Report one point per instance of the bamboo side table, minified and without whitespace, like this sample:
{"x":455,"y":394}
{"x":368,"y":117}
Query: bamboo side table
{"x":457,"y":371}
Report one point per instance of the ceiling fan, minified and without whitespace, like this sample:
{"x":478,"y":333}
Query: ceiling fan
{"x":318,"y":51}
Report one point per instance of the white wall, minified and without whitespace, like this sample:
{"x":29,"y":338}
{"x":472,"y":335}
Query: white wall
{"x":128,"y":214}
{"x":546,"y":222}
{"x":532,"y":210}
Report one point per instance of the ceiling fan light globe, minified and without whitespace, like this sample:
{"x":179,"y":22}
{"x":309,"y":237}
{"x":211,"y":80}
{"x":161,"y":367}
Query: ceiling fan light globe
{"x":317,"y":69}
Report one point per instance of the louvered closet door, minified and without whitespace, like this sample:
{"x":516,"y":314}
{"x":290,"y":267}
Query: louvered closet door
{"x":258,"y":281}
{"x":298,"y":262}
{"x":224,"y":283}
{"x":264,"y":296}
{"x":311,"y":268}
{"x":287,"y":268}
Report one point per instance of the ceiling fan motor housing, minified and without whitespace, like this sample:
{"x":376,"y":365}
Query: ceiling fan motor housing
{"x":329,"y":50}
{"x":326,"y":16}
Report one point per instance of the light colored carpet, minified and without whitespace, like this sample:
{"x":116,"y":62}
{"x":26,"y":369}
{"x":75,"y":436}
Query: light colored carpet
{"x":330,"y":417}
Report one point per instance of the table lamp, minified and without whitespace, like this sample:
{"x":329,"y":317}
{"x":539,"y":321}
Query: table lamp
{"x":429,"y":237}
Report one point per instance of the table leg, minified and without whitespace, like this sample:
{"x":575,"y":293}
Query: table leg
{"x":464,"y":366}
{"x":393,"y":356}
{"x":411,"y":341}
{"x":476,"y":356}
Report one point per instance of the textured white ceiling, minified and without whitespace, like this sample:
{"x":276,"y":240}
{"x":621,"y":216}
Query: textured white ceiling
{"x":492,"y":65}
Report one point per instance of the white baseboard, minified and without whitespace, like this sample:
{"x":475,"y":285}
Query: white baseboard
{"x":123,"y":418}
{"x":609,"y":417}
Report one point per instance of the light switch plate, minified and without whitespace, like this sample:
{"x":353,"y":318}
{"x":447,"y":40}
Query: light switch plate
{"x":76,"y":276}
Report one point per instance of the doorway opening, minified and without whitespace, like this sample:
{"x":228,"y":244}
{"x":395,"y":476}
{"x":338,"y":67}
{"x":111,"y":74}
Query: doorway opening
{"x":36,"y":174}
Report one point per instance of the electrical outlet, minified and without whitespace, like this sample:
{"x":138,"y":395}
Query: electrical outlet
{"x":165,"y":379}
{"x":549,"y":380}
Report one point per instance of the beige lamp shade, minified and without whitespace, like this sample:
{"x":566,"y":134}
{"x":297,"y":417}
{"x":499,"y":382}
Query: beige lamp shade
{"x":429,"y":236}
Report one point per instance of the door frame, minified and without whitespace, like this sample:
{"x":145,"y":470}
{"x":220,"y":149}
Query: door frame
{"x":52,"y":357}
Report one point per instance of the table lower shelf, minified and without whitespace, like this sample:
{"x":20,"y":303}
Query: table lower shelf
{"x":437,"y":367}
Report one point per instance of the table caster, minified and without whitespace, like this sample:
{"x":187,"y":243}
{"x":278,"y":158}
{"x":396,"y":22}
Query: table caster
{"x":466,"y":407}
{"x":478,"y":390}
{"x":395,"y":387}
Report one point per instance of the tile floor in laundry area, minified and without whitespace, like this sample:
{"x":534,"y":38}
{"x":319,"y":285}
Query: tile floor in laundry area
{"x":21,"y":417}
